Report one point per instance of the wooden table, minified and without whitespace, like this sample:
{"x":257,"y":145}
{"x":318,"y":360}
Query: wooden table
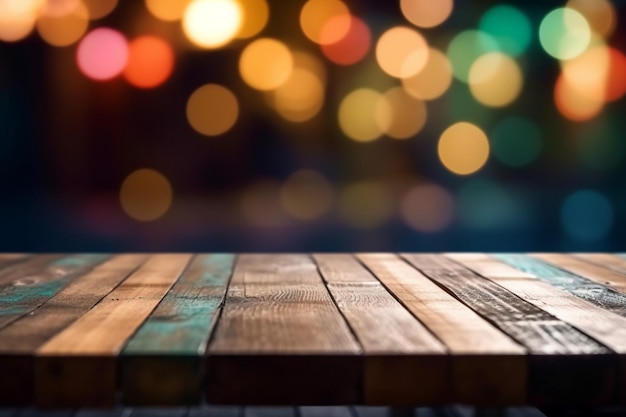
{"x":96,"y":330}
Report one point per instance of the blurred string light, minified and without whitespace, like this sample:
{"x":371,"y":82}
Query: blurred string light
{"x":486,"y":205}
{"x":301,"y":97}
{"x":463,"y":148}
{"x":402,"y":52}
{"x":168,"y":10}
{"x":265,"y":64}
{"x":564,"y":33}
{"x":587,"y":215}
{"x":212,"y":23}
{"x":600,"y":15}
{"x":400,"y":115}
{"x":516,"y":141}
{"x":146,"y":195}
{"x":150,"y":62}
{"x":495,"y":79}
{"x":17,"y":18}
{"x":426,"y":13}
{"x":64,"y":29}
{"x":365,"y":204}
{"x":361,"y":113}
{"x":509,"y":26}
{"x":465,"y":48}
{"x":260,"y":203}
{"x":353,"y":46}
{"x":428,"y":208}
{"x":58,"y":7}
{"x":316,"y":15}
{"x":212,"y":110}
{"x":98,"y":9}
{"x":306,"y":195}
{"x":102,"y":54}
{"x":433,"y":80}
{"x":255,"y":15}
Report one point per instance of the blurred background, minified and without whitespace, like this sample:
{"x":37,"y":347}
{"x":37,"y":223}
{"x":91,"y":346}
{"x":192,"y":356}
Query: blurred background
{"x":319,"y":125}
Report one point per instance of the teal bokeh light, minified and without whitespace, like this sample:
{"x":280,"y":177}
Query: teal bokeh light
{"x":466,"y":47}
{"x":587,"y":215}
{"x":516,"y":141}
{"x":509,"y":26}
{"x":486,"y":205}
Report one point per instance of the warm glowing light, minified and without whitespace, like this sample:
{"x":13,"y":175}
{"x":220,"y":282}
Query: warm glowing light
{"x":146,"y":195}
{"x":401,"y":116}
{"x":150,"y":62}
{"x":465,"y":48}
{"x":573,"y":104}
{"x":600,"y":15}
{"x":516,"y":141}
{"x":495,"y":80}
{"x":301,"y":97}
{"x":212,"y":110}
{"x":168,"y":10}
{"x":260,"y":204}
{"x":463,"y":148}
{"x":265,"y":64}
{"x":310,"y":62}
{"x":365,"y":204}
{"x":306,"y":195}
{"x":17,"y":18}
{"x":616,"y":81}
{"x":353,"y":46}
{"x":360,"y":114}
{"x":426,"y":13}
{"x":65,"y":29}
{"x":427,"y":208}
{"x":509,"y":26}
{"x":56,"y":8}
{"x":588,"y":73}
{"x":100,"y":8}
{"x":316,"y":14}
{"x":102,"y":54}
{"x":256,"y":13}
{"x":587,"y":215}
{"x":212,"y":23}
{"x":432,"y":81}
{"x":564,"y":33}
{"x":401,"y":52}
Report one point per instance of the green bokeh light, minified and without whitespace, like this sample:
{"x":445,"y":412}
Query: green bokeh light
{"x":516,"y":141}
{"x":564,"y":33}
{"x":466,"y":47}
{"x":509,"y":26}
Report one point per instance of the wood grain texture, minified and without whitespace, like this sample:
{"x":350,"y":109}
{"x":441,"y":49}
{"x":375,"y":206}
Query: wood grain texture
{"x":162,"y":363}
{"x":605,"y":327}
{"x":20,"y":340}
{"x":581,"y":287}
{"x":487,"y":367}
{"x":404,"y":363}
{"x":281,"y":333}
{"x":77,"y":367}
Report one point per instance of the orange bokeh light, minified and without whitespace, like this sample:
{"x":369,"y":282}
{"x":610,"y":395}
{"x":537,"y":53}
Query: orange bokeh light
{"x":615,"y":80}
{"x":353,"y":46}
{"x":150,"y":62}
{"x":573,"y":104}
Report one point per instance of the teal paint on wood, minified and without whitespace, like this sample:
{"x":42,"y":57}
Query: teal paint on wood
{"x":584,"y":288}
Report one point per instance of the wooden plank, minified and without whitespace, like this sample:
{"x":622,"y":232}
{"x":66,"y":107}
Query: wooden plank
{"x":32,"y":265}
{"x":487,"y":367}
{"x":596,"y":273}
{"x":158,"y":412}
{"x":586,"y":289}
{"x":404,"y":363}
{"x":20,"y":340}
{"x":605,"y":327}
{"x":611,"y":261}
{"x":215,"y":411}
{"x":269,"y":412}
{"x":279,"y":320}
{"x":77,"y":367}
{"x":162,"y":364}
{"x":9,"y":259}
{"x":324,"y":411}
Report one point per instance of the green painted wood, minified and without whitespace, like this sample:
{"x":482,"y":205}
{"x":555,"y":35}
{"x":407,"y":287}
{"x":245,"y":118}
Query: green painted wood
{"x":584,"y":288}
{"x":162,"y":362}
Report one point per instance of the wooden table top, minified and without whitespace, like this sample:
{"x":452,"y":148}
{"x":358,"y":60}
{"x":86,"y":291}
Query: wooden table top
{"x":89,"y":330}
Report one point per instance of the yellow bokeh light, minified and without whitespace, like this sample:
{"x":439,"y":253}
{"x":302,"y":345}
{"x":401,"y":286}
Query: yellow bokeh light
{"x":315,"y":16}
{"x":365,"y":204}
{"x":427,"y":208}
{"x":600,"y":14}
{"x":433,"y":80}
{"x":588,"y":73}
{"x":360,"y":114}
{"x":310,"y":62}
{"x":495,"y":79}
{"x":463,"y":148}
{"x":301,"y":97}
{"x":65,"y":29}
{"x":57,"y":8}
{"x":212,"y":23}
{"x":100,"y":8}
{"x":255,"y":16}
{"x":265,"y":64}
{"x":168,"y":10}
{"x":146,"y":195}
{"x":306,"y":195}
{"x":17,"y":18}
{"x":402,"y":52}
{"x":212,"y":110}
{"x":401,"y":116}
{"x":426,"y":13}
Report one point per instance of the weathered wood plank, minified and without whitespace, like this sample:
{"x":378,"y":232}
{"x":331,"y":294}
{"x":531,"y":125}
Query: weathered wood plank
{"x":487,"y":366}
{"x":404,"y":363}
{"x":581,"y":287}
{"x":162,"y":363}
{"x":77,"y":367}
{"x":279,"y":320}
{"x":605,"y":327}
{"x":613,"y":262}
{"x":20,"y":340}
{"x":32,"y":265}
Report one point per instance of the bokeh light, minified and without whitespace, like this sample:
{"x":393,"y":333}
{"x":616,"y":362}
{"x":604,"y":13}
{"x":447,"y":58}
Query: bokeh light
{"x":516,"y":141}
{"x":353,"y":46}
{"x":146,"y":195}
{"x":57,"y":7}
{"x":316,"y":15}
{"x":400,"y":115}
{"x":150,"y":62}
{"x":260,"y":203}
{"x":212,"y":23}
{"x":495,"y":79}
{"x":365,"y":204}
{"x":17,"y":18}
{"x":97,"y":9}
{"x":426,"y":13}
{"x":255,"y":14}
{"x":433,"y":80}
{"x":212,"y":110}
{"x":306,"y":195}
{"x":509,"y":26}
{"x":168,"y":10}
{"x":427,"y":208}
{"x":361,"y":113}
{"x":564,"y":33}
{"x":574,"y":104}
{"x":463,"y":148}
{"x":265,"y":64}
{"x":600,"y":15}
{"x":487,"y":205}
{"x":65,"y":29}
{"x":402,"y":52}
{"x":102,"y":54}
{"x":600,"y":145}
{"x":465,"y":48}
{"x":587,"y":215}
{"x":301,"y":97}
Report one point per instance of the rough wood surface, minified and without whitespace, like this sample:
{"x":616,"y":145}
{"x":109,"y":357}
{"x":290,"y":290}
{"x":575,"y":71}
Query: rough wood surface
{"x":283,"y":336}
{"x":404,"y":363}
{"x":487,"y":367}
